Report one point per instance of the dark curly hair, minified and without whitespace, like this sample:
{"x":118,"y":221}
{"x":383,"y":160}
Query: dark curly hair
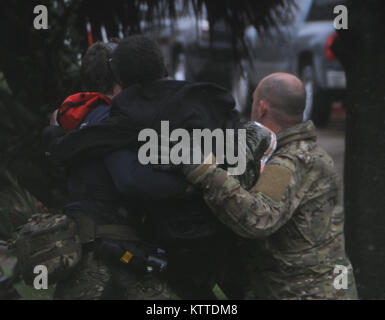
{"x":96,"y":72}
{"x":138,"y":59}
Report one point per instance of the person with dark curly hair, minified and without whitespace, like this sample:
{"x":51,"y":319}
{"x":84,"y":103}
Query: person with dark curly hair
{"x":104,"y":186}
{"x":95,"y":70}
{"x":138,"y":59}
{"x":196,"y":243}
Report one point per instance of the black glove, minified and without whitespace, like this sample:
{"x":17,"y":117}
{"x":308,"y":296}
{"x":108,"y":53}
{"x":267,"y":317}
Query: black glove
{"x":49,"y":136}
{"x":188,"y":158}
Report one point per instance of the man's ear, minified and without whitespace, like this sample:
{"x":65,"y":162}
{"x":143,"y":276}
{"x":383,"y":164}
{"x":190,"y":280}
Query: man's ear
{"x":263,"y":109}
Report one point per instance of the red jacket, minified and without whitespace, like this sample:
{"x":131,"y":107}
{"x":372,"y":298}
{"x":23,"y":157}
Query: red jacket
{"x":75,"y":108}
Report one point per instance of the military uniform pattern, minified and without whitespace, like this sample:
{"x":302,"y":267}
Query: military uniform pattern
{"x":260,"y":142}
{"x":90,"y":280}
{"x":150,"y":288}
{"x":50,"y":240}
{"x":292,"y":219}
{"x":87,"y":282}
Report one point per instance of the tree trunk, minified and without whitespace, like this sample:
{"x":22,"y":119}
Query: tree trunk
{"x":361,"y":50}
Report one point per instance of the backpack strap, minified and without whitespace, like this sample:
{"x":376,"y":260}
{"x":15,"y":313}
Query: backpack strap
{"x":117,"y":232}
{"x":89,"y":231}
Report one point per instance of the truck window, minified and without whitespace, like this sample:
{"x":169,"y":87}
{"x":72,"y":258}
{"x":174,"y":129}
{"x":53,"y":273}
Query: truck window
{"x":322,"y":10}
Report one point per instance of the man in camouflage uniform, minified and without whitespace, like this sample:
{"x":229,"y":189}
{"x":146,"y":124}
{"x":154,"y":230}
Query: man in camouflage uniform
{"x":292,"y":217}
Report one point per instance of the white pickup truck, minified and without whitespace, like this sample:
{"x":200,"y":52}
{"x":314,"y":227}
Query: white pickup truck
{"x":301,"y":45}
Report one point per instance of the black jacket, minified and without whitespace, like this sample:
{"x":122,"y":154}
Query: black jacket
{"x":185,"y":227}
{"x":183,"y":104}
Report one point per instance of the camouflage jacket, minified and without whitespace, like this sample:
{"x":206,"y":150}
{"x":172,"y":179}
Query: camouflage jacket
{"x":292,"y":219}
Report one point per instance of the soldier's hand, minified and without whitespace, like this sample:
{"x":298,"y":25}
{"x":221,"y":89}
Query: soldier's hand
{"x":184,"y":157}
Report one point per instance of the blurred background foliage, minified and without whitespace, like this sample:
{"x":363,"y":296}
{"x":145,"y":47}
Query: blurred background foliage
{"x":39,"y":68}
{"x":17,"y":205}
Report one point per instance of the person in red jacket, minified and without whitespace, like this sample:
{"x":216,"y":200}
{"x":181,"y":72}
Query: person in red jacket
{"x":99,"y":80}
{"x":101,"y":188}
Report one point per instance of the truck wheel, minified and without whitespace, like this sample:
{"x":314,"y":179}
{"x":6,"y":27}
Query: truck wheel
{"x":318,"y":105}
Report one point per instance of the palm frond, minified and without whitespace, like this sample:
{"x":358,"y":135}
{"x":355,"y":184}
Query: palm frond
{"x":16,"y":205}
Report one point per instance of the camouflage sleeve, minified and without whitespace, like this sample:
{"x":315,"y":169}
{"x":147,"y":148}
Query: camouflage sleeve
{"x":260,"y":211}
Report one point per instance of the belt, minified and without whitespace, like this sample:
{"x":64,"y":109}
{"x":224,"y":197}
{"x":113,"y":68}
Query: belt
{"x":89,"y":231}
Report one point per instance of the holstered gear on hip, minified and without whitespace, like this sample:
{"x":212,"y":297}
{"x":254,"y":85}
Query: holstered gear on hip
{"x":49,"y":240}
{"x":55,"y":241}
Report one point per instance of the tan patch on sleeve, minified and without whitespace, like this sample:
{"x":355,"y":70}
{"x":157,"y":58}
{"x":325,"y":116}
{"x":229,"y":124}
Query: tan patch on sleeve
{"x":273,"y":181}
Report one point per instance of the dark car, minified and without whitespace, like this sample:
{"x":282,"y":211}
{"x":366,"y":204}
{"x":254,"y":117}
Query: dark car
{"x":301,"y":45}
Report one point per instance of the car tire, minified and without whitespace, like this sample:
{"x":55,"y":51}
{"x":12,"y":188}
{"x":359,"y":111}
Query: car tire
{"x":318,"y":104}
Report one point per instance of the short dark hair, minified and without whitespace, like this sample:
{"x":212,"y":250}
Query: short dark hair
{"x":283,"y":96}
{"x":96,"y":73}
{"x":138,"y":59}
